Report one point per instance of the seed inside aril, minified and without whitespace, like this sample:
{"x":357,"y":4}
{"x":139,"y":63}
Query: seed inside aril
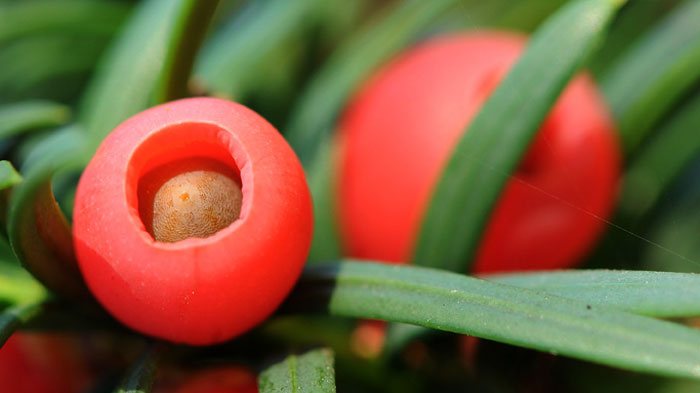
{"x":193,"y":199}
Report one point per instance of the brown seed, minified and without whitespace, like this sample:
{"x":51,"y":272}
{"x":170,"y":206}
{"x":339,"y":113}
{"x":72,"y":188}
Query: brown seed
{"x":183,"y":201}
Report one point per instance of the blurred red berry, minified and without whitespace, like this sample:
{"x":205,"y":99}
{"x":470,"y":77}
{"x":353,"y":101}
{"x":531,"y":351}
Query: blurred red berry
{"x":41,"y":363}
{"x":220,"y":380}
{"x":399,"y":130}
{"x":192,"y":221}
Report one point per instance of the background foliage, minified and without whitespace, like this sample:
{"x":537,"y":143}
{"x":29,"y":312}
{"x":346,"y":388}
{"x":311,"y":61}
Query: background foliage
{"x":71,"y":70}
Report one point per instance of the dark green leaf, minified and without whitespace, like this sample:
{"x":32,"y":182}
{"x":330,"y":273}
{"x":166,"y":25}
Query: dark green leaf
{"x":38,"y":230}
{"x":35,"y":66}
{"x":497,"y":138}
{"x":677,"y":230}
{"x":654,"y":73}
{"x":7,"y":257}
{"x":311,"y":372}
{"x":532,"y":319}
{"x":325,"y":245}
{"x":632,"y":22}
{"x":86,"y":17}
{"x":151,"y":50}
{"x":526,"y":15}
{"x":675,"y":386}
{"x":32,"y":152}
{"x":337,"y":19}
{"x":141,"y":375}
{"x":657,"y":294}
{"x":12,"y":318}
{"x":231,"y":59}
{"x":658,"y":164}
{"x":327,"y":92}
{"x":31,"y":115}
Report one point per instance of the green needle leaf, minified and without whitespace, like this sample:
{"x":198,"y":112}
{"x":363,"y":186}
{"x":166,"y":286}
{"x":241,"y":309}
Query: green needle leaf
{"x":232,"y":57}
{"x":526,"y":15}
{"x":192,"y":25}
{"x":86,"y":17}
{"x":320,"y":104}
{"x":677,"y":229}
{"x":12,"y":318}
{"x":8,"y":175}
{"x":39,"y":232}
{"x":654,"y":73}
{"x":311,"y":372}
{"x":325,"y":245}
{"x":31,"y":115}
{"x":656,"y":294}
{"x":656,"y":166}
{"x":523,"y":317}
{"x":632,"y":22}
{"x":140,"y":377}
{"x":500,"y":134}
{"x":38,"y":65}
{"x":146,"y":64}
{"x":17,"y":287}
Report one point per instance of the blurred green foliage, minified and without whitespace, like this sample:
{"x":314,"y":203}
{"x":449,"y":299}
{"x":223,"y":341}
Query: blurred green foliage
{"x":70,"y":70}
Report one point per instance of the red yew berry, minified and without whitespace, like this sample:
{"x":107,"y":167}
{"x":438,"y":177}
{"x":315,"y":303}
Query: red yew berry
{"x":229,"y":379}
{"x":192,"y":221}
{"x":42,"y":363}
{"x":399,"y":130}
